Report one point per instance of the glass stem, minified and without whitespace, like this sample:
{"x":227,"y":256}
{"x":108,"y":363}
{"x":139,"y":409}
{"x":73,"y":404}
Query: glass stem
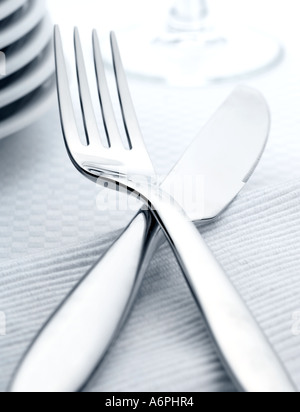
{"x":187,"y":15}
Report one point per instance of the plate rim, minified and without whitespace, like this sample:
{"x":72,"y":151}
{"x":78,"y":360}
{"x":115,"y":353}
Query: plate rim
{"x":28,"y":114}
{"x":10,"y":8}
{"x":34,"y":78}
{"x":23,"y":25}
{"x":37,"y":42}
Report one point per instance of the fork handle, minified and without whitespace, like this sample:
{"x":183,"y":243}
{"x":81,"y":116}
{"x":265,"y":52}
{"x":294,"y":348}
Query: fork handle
{"x":243,"y":348}
{"x":77,"y":336}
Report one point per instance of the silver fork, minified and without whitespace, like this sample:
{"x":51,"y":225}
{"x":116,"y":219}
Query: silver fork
{"x":228,"y":319}
{"x":125,"y":167}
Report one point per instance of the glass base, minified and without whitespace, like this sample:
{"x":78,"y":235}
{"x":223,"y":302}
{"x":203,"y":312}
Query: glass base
{"x":197,"y":58}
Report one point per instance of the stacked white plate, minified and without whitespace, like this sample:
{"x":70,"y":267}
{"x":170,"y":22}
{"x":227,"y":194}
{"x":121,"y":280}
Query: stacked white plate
{"x":26,"y":63}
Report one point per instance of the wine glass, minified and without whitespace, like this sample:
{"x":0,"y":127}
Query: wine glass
{"x":191,"y":49}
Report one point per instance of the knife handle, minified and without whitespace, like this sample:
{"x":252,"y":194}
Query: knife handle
{"x":244,"y":349}
{"x":76,"y":338}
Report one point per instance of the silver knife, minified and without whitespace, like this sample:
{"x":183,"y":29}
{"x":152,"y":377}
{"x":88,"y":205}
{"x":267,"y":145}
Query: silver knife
{"x":225,"y":153}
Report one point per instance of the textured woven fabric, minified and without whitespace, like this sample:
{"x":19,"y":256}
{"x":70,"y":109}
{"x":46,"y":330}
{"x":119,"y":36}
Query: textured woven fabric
{"x":165,"y":346}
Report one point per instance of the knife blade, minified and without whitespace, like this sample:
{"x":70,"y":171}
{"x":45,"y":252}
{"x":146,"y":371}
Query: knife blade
{"x":225,"y":153}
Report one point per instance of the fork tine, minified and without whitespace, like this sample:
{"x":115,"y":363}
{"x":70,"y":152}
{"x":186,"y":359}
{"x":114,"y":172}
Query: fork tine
{"x":89,"y":118}
{"x":134,"y":134}
{"x":67,"y":115}
{"x":109,"y":120}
